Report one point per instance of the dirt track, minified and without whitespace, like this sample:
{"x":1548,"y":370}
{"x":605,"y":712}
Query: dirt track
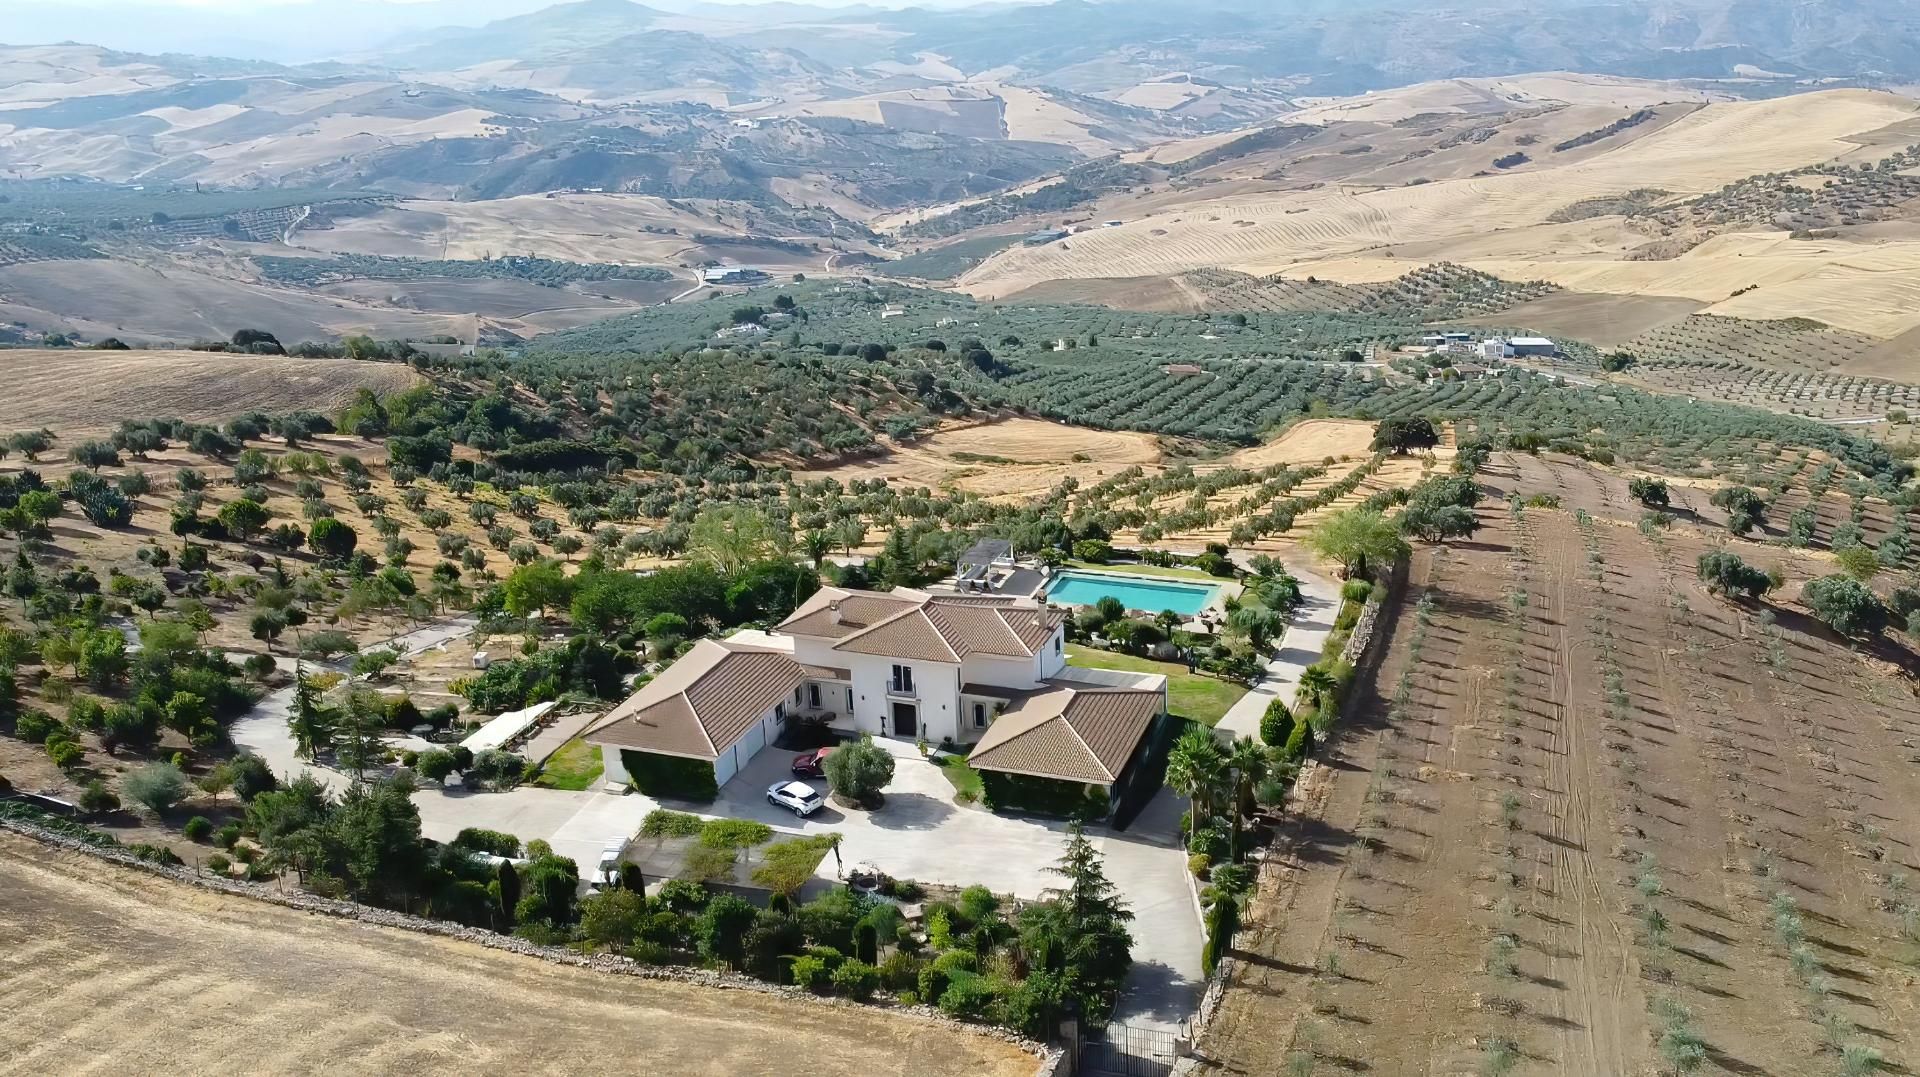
{"x":129,"y":974}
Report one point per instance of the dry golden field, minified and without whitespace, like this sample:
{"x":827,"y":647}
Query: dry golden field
{"x":131,"y":974}
{"x":78,"y":392}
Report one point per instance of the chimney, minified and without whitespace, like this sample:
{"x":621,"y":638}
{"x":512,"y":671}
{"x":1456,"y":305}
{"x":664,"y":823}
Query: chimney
{"x":833,"y":613}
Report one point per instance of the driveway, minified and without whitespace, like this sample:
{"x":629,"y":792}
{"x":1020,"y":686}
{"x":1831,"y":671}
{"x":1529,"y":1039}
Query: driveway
{"x":1299,"y":648}
{"x":921,"y":834}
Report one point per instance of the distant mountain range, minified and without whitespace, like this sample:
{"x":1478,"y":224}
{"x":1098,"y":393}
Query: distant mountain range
{"x":1089,"y":46}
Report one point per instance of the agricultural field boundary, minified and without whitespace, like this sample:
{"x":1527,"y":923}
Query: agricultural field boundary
{"x":1051,"y":1061}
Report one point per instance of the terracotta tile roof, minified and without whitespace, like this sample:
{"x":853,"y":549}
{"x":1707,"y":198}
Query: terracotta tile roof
{"x":703,"y":703}
{"x":928,"y":628}
{"x":857,"y":610}
{"x":1070,"y":731}
{"x":827,"y":673}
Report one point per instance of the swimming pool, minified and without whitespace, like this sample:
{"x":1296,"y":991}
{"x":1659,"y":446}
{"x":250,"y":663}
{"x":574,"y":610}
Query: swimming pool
{"x":1072,"y":588}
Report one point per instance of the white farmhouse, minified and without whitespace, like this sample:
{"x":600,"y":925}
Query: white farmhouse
{"x":960,"y":669}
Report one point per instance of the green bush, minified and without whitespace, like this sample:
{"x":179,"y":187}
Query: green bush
{"x":220,"y":864}
{"x":810,"y":973}
{"x":35,"y":727}
{"x":1276,"y":725}
{"x":968,"y":996}
{"x":1093,"y":551}
{"x":481,"y":840}
{"x":1041,"y":796}
{"x":156,"y":787}
{"x":97,"y":798}
{"x":670,"y":776}
{"x":665,"y":823}
{"x":1356,"y":590}
{"x":227,"y":836}
{"x":855,"y":979}
{"x":199,"y":828}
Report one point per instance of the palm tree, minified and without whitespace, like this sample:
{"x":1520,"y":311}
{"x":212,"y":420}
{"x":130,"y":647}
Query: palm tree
{"x":1197,"y":770}
{"x":1167,"y":620}
{"x":1251,"y":763}
{"x":1315,"y":684}
{"x":817,"y":545}
{"x":1258,"y":623}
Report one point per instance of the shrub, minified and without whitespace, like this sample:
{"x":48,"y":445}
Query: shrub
{"x":248,"y":776}
{"x":860,"y":771}
{"x":35,"y":727}
{"x":1356,"y":590}
{"x":156,"y":787}
{"x":97,"y":798}
{"x":810,"y":973}
{"x":1276,"y":725}
{"x":968,"y":996}
{"x":65,"y":753}
{"x":227,"y":836}
{"x":199,"y":828}
{"x":663,"y":822}
{"x":855,"y":979}
{"x":1093,"y":551}
{"x":480,"y":840}
{"x":1845,"y":605}
{"x":434,"y":765}
{"x":671,"y":776}
{"x":220,"y":864}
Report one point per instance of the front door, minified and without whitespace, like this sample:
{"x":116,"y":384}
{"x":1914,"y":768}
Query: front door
{"x":905,"y":719}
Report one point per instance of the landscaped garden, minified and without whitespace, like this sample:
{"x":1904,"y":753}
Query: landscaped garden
{"x":575,"y":766}
{"x":1190,"y":695}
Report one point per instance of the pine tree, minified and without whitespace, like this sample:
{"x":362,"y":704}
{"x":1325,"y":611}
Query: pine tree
{"x":310,"y":723}
{"x":1097,"y":949}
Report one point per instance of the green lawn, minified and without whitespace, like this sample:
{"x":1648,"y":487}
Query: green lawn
{"x":966,"y":780}
{"x":1148,"y":570}
{"x":576,"y":766}
{"x":1190,"y":695}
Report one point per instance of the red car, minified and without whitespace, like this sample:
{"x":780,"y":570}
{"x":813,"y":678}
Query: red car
{"x":811,"y":764}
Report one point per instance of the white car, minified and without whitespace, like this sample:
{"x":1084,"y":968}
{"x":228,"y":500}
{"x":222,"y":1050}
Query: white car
{"x":797,"y":797}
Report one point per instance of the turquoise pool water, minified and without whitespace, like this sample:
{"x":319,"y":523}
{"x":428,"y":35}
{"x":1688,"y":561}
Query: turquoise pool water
{"x":1147,"y":593}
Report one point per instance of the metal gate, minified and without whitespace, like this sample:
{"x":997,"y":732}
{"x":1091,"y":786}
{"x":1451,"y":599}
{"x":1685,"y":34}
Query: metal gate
{"x":1127,"y":1051}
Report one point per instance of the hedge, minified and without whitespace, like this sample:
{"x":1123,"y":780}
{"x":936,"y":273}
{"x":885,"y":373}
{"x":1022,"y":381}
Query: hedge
{"x":670,"y":775}
{"x":1042,"y":796}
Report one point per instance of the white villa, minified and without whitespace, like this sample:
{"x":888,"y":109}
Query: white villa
{"x":960,"y":669}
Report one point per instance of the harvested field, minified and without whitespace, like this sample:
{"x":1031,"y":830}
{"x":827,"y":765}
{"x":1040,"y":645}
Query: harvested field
{"x":1310,"y":442}
{"x":1168,"y":294}
{"x":76,"y":392}
{"x":132,"y":974}
{"x":145,"y":304}
{"x":1011,"y":457}
{"x":1607,"y":321}
{"x":1584,"y":805}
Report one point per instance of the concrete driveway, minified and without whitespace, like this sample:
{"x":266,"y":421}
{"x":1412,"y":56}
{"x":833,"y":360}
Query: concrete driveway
{"x":920,"y":833}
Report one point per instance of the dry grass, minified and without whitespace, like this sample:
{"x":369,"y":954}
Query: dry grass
{"x":1372,"y":226}
{"x":1008,"y":458}
{"x":132,"y":974}
{"x":78,"y":392}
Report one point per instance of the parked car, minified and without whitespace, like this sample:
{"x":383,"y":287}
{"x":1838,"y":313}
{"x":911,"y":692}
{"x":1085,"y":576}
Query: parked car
{"x":811,"y":764}
{"x":797,"y":797}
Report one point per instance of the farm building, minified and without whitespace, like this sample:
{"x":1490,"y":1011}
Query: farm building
{"x":1495,"y":349}
{"x":1533,"y":346}
{"x":1041,"y":239}
{"x":736,"y":275}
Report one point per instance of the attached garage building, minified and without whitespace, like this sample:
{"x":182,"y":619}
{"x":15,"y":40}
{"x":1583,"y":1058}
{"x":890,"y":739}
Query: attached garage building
{"x":719,"y":705}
